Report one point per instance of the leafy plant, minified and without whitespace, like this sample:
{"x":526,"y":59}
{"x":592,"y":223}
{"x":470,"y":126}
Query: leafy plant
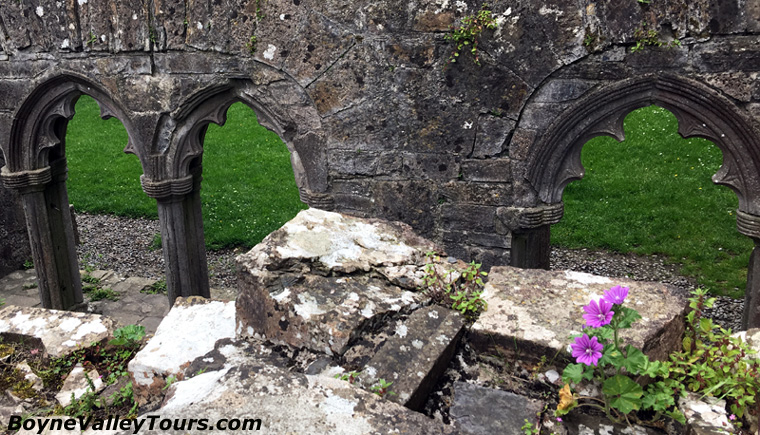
{"x":528,"y":428}
{"x":91,"y":38}
{"x":98,"y":293}
{"x":469,"y":32}
{"x":89,"y":279}
{"x":463,"y":290}
{"x":251,"y":45}
{"x":711,"y":363}
{"x":351,"y":376}
{"x":169,"y":381}
{"x":86,"y":404}
{"x":129,"y":335}
{"x":381,"y":388}
{"x":158,"y":287}
{"x":650,"y":37}
{"x":601,"y":355}
{"x":28,"y":264}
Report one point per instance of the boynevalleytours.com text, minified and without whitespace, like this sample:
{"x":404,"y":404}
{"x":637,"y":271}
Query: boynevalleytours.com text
{"x":150,"y":422}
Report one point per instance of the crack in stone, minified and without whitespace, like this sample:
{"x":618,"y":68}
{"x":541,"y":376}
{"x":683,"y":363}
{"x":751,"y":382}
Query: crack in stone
{"x":329,"y":67}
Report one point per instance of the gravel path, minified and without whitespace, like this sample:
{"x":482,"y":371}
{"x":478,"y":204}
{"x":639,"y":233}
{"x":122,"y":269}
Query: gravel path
{"x":124,"y":245}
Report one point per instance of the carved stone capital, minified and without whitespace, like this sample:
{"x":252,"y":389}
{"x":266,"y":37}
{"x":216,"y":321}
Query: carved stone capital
{"x":167,"y":188}
{"x":322,"y":201}
{"x":748,"y":224}
{"x":35,"y":179}
{"x":519,"y":218}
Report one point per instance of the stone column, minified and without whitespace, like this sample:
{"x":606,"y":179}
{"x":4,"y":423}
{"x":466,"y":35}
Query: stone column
{"x":749,"y":225}
{"x":179,"y":212}
{"x":51,"y":233}
{"x":530,"y":229}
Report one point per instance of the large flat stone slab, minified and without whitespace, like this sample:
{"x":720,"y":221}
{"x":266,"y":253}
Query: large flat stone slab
{"x":249,"y":387}
{"x":416,"y":356}
{"x":191,"y":329}
{"x":484,"y":411}
{"x":537,"y":310}
{"x":59,"y":331}
{"x":318,"y":281}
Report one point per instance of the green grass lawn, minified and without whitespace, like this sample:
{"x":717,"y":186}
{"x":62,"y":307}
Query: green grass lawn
{"x":248,"y":187}
{"x":652,"y":194}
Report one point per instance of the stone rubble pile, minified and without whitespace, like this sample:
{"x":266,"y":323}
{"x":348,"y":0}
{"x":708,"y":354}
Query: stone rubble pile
{"x":329,"y":311}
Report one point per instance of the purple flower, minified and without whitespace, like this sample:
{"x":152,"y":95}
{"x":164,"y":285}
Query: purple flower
{"x":616,"y":295}
{"x":586,"y":351}
{"x":599,"y":313}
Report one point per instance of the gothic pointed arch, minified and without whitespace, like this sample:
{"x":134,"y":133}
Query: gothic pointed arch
{"x":701,"y":112}
{"x":182,"y":143}
{"x":39,"y":125}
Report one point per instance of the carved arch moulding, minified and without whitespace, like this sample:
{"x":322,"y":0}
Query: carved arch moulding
{"x":179,"y":140}
{"x":39,"y":125}
{"x":700,"y":111}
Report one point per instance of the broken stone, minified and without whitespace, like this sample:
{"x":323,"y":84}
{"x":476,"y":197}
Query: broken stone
{"x":583,"y":424}
{"x":539,"y":309}
{"x":34,"y":380}
{"x":295,"y":286}
{"x":59,"y":331}
{"x":706,"y":415}
{"x":416,"y":356}
{"x":76,"y":384}
{"x":484,"y":411}
{"x":191,"y":329}
{"x":248,"y":387}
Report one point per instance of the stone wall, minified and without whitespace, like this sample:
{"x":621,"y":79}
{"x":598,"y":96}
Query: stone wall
{"x":377,"y":121}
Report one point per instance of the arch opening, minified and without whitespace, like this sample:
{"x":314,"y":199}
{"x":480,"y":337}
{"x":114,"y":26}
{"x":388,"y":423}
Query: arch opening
{"x":248,"y":188}
{"x":701,"y":112}
{"x":652,"y":194}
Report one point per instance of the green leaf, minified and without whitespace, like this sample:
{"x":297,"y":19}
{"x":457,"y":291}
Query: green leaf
{"x":624,"y":393}
{"x":635,"y":361}
{"x":705,"y":324}
{"x":628,"y":316}
{"x":577,"y":372}
{"x":687,"y":344}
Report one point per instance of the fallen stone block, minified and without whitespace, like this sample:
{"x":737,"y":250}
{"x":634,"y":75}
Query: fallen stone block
{"x":577,"y":423}
{"x":248,"y":387}
{"x":483,"y":411}
{"x":534,"y":312}
{"x":59,"y":331}
{"x":416,"y":356}
{"x":77,"y":385}
{"x":706,"y":415}
{"x":191,"y":329}
{"x":323,"y":277}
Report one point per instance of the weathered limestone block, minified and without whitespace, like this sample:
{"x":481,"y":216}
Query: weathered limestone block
{"x":416,"y":356}
{"x":191,"y":329}
{"x":248,"y":386}
{"x":321,"y":278}
{"x":482,"y":411}
{"x":539,"y":309}
{"x":705,"y":415}
{"x":59,"y":331}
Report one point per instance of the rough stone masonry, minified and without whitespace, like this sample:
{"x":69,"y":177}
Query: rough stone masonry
{"x":378,"y":123}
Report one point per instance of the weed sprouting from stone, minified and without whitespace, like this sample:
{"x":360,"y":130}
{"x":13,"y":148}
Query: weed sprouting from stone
{"x":468,"y":34}
{"x":459,"y":290}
